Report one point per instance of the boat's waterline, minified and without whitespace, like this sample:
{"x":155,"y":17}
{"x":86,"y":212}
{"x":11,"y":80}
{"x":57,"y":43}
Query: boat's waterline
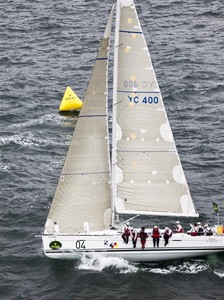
{"x":180,"y":246}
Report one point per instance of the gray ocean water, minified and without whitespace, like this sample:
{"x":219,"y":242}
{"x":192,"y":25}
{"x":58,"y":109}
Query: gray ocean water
{"x":48,"y":45}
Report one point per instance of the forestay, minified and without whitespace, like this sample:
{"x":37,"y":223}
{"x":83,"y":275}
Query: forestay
{"x":82,"y":200}
{"x":148,"y":173}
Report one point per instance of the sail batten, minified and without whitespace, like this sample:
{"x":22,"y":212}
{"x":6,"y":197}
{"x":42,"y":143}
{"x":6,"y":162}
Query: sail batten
{"x":138,"y":92}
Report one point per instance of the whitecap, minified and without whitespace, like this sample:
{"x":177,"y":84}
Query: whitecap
{"x":48,"y":118}
{"x":219,"y":273}
{"x":51,"y":165}
{"x":188,"y":267}
{"x":4,"y":167}
{"x":25,"y":139}
{"x":97,"y":262}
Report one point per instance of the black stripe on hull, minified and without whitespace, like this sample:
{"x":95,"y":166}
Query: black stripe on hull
{"x":220,"y":249}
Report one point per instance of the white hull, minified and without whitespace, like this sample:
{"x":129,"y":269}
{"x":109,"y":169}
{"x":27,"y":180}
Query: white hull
{"x":180,"y":246}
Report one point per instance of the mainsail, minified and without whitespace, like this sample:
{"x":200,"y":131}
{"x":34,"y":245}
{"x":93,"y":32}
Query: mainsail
{"x":147,"y":174}
{"x":82,"y":200}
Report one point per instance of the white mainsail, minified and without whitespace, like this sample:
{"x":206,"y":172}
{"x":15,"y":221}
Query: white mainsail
{"x":147,"y":174}
{"x":86,"y":172}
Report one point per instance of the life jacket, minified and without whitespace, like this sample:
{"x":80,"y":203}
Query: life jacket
{"x":155,"y":233}
{"x":200,"y":230}
{"x":168,"y":233}
{"x":143,"y":235}
{"x":126,"y":230}
{"x":208,"y":231}
{"x":179,"y":229}
{"x":194,"y":233}
{"x":134,"y":234}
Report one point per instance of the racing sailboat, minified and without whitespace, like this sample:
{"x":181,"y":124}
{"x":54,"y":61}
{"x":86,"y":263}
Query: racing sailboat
{"x":139,"y":173}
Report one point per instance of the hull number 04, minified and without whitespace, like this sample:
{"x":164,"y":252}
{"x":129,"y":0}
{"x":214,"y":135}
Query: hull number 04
{"x":80,"y":244}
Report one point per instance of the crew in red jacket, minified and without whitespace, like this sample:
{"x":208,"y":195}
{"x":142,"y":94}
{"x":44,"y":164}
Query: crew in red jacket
{"x":179,"y":228}
{"x":156,"y":236}
{"x":143,"y":236}
{"x":126,"y":233}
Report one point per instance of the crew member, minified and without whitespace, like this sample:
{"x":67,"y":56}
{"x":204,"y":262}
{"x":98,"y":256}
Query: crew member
{"x":208,"y":230}
{"x":167,"y":235}
{"x":143,"y":236}
{"x":155,"y":236}
{"x":134,"y":236}
{"x":126,"y":233}
{"x":200,"y":230}
{"x":193,"y":231}
{"x":179,"y":228}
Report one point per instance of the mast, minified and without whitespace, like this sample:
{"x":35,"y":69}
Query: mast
{"x":114,"y":112}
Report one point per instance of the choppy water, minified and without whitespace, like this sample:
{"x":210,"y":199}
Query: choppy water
{"x":47,"y":45}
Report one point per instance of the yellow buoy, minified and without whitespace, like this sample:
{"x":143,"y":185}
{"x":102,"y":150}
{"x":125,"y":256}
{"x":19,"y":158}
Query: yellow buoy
{"x":70,"y":101}
{"x":220,"y":230}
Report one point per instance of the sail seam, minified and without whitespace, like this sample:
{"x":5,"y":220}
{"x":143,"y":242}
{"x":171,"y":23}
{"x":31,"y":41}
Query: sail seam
{"x":148,"y":151}
{"x":95,"y":116}
{"x":131,"y":91}
{"x":84,"y":173}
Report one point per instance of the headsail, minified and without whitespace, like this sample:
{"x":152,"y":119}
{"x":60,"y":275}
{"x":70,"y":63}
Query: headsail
{"x":148,"y":176}
{"x":86,"y":172}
